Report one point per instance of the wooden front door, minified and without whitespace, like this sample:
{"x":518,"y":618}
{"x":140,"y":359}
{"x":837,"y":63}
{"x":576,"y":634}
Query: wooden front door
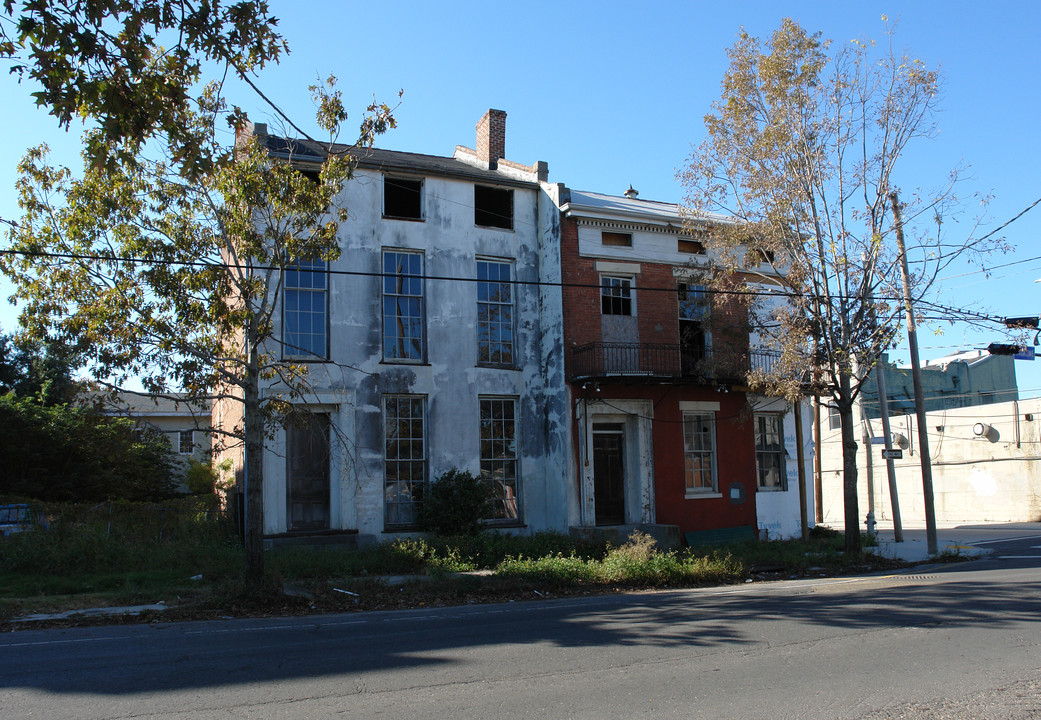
{"x":307,"y":473}
{"x":608,"y":473}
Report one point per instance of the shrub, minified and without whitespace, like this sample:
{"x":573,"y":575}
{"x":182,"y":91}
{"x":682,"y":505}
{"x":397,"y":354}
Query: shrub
{"x":200,"y":478}
{"x":455,"y":504}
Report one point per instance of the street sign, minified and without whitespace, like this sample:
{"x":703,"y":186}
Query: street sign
{"x":1025,"y":353}
{"x":878,"y":441}
{"x":894,"y":454}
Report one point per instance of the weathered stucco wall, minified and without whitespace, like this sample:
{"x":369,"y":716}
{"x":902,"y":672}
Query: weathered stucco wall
{"x":353,"y":384}
{"x":994,"y":477}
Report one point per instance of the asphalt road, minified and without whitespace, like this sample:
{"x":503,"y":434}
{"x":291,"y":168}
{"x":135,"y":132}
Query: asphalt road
{"x":951,"y":641}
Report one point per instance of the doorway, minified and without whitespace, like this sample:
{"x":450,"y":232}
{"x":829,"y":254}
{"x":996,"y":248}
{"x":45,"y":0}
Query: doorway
{"x":609,"y":473}
{"x":307,"y":472}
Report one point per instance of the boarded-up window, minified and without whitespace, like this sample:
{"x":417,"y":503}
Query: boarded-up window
{"x":691,"y":247}
{"x":616,"y":239}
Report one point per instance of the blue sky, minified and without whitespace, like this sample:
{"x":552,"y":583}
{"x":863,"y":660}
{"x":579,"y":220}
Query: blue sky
{"x":613,"y":93}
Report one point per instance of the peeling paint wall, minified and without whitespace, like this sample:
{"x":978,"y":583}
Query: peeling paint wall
{"x":355,"y":382}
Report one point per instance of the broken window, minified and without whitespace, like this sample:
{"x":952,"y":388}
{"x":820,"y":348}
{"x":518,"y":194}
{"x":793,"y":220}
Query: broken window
{"x":493,"y":207}
{"x":402,"y":198}
{"x":769,"y":451}
{"x":693,"y":317}
{"x":499,"y":455}
{"x":403,"y":306}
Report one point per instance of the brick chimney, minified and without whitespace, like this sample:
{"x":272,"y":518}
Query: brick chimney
{"x":491,"y":137}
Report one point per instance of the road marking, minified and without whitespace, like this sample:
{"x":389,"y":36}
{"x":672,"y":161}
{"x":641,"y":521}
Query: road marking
{"x":1007,"y":539}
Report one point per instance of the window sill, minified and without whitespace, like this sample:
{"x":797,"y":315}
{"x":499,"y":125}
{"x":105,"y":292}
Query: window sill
{"x":404,"y":361}
{"x":309,"y":359}
{"x":771,"y":489}
{"x":494,"y":227}
{"x":406,"y":219}
{"x":701,"y":495}
{"x":494,"y":366}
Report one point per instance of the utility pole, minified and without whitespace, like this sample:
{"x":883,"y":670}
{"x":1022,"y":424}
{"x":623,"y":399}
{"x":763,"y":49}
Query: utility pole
{"x":916,"y":376}
{"x":800,"y":456}
{"x":883,"y":405}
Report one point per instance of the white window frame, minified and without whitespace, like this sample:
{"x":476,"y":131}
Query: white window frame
{"x":181,"y":435}
{"x":607,"y":283}
{"x":700,"y":412}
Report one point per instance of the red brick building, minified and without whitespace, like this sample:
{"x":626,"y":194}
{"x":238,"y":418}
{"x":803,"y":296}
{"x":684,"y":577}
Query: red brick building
{"x":664,"y":431}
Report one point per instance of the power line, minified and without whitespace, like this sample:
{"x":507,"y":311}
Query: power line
{"x":777,"y":293}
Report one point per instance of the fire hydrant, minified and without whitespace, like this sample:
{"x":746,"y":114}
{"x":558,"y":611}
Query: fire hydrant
{"x":870,"y":522}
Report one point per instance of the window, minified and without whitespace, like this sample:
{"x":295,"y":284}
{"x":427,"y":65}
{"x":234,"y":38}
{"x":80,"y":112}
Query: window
{"x":690,"y":247}
{"x":616,"y":239}
{"x":769,"y":451}
{"x":304,"y":311}
{"x":499,"y":455}
{"x":185,"y":442}
{"x":402,"y":198}
{"x":699,"y":449}
{"x":493,"y":207}
{"x":403,"y":306}
{"x":616,"y":295}
{"x":834,"y":420}
{"x":693,"y":313}
{"x":405,"y":474}
{"x":494,"y":313}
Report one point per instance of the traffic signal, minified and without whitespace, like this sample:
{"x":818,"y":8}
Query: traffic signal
{"x":1002,"y":349}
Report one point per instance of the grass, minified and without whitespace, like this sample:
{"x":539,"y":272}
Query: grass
{"x":183,"y":552}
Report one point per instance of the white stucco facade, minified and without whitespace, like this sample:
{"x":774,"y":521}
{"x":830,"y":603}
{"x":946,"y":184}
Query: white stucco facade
{"x":446,"y":385}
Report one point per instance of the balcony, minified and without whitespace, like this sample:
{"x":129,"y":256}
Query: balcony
{"x":658,"y":362}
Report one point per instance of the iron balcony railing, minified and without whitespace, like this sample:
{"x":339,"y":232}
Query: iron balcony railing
{"x":655,"y":361}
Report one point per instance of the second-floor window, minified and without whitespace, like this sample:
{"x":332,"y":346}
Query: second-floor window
{"x":305,"y":316}
{"x":494,"y":313}
{"x":403,"y":306}
{"x":402,"y":198}
{"x":493,"y":207}
{"x":616,"y":295}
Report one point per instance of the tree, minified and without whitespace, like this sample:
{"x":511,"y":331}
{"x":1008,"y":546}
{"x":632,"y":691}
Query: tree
{"x":39,"y":370}
{"x":802,"y":150}
{"x":177,"y":280}
{"x":130,"y":65}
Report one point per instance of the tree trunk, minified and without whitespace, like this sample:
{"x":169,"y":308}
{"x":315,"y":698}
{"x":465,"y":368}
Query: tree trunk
{"x":849,"y":469}
{"x":253,"y":425}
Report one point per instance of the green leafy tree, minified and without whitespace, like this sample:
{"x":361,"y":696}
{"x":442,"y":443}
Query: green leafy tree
{"x":129,"y":65}
{"x":41,"y":370}
{"x":177,"y":280}
{"x":70,"y":453}
{"x":802,"y":151}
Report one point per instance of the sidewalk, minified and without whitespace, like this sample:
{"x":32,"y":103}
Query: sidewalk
{"x":965,"y":540}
